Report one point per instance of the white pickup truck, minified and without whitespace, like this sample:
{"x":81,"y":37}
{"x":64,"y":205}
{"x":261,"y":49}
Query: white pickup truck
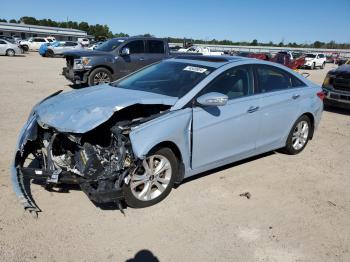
{"x":313,"y":60}
{"x":200,"y":50}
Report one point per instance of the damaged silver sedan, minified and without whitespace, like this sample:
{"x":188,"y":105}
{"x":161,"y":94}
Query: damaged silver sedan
{"x":130,"y":141}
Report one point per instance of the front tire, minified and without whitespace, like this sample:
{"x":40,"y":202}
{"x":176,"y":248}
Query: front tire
{"x":10,"y":52}
{"x":322,"y":66}
{"x":298,"y":136}
{"x":152,"y":182}
{"x":99,"y":76}
{"x":312,"y":67}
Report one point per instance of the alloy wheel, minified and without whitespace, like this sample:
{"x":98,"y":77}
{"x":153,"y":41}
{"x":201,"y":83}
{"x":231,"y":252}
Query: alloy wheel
{"x":152,"y":178}
{"x":300,"y":135}
{"x":101,"y":78}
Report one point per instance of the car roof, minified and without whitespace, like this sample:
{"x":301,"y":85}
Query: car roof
{"x":210,"y":61}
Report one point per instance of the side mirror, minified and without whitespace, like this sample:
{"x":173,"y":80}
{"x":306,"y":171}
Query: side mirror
{"x":125,"y":51}
{"x":213,"y":99}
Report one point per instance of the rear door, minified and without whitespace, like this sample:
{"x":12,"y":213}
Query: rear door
{"x":280,"y":94}
{"x":155,"y":51}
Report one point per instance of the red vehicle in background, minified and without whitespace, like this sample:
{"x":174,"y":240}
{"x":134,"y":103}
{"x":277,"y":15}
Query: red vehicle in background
{"x":289,"y":59}
{"x":261,"y":56}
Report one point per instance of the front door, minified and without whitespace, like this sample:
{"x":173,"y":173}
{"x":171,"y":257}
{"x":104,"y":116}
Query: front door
{"x":135,"y":60}
{"x":226,"y":133}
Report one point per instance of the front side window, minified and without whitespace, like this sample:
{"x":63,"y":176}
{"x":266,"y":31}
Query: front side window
{"x":155,"y":46}
{"x":136,"y":47}
{"x":274,"y":79}
{"x":235,"y":83}
{"x":167,"y":78}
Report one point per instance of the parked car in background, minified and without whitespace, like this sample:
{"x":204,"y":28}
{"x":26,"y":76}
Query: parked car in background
{"x":289,"y":59}
{"x":133,"y":139}
{"x":34,"y":43}
{"x":332,"y":58}
{"x":59,"y":47}
{"x":261,"y":56}
{"x":95,"y":45}
{"x":84,"y":41}
{"x":9,"y":48}
{"x":113,"y":59}
{"x":200,"y":50}
{"x":336,"y":87}
{"x":314,"y":60}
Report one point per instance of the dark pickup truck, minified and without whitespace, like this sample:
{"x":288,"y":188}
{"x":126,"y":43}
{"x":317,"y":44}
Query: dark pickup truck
{"x":336,"y":87}
{"x":113,"y":59}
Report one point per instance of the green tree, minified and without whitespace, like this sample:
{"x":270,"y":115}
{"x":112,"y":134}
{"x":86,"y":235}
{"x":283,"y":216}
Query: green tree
{"x":254,"y":42}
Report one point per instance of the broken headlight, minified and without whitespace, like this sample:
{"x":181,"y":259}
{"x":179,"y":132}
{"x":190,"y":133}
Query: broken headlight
{"x":81,"y":63}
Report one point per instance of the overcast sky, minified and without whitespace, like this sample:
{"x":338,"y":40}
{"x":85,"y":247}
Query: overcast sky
{"x":270,"y":20}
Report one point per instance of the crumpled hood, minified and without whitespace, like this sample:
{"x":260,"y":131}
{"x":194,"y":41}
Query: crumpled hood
{"x":82,"y":110}
{"x":309,"y":58}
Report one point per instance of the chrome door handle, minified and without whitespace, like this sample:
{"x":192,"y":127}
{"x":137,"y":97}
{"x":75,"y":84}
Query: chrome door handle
{"x":141,"y":59}
{"x":295,"y":96}
{"x":252,"y":109}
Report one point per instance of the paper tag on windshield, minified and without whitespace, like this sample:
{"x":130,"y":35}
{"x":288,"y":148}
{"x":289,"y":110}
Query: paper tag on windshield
{"x":195,"y":69}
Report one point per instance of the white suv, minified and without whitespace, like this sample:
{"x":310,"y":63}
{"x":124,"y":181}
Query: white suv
{"x":34,"y":43}
{"x":315,"y":60}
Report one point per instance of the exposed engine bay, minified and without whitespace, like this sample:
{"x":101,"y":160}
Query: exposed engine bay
{"x":100,"y":161}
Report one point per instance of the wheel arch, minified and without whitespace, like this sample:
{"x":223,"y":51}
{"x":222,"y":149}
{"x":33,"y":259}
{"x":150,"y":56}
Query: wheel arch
{"x":102,"y":66}
{"x":175,"y":149}
{"x":312,"y":120}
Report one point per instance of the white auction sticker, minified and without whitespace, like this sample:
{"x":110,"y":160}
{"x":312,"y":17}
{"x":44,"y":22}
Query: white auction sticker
{"x":195,"y":69}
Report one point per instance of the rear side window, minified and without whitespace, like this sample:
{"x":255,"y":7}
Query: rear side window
{"x":271,"y":79}
{"x":136,"y":47}
{"x":155,"y":46}
{"x":39,"y":40}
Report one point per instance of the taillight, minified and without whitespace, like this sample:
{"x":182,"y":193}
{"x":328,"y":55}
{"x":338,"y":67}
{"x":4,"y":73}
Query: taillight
{"x":321,"y":95}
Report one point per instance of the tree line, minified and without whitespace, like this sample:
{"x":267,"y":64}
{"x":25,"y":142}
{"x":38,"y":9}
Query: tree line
{"x":103,"y":31}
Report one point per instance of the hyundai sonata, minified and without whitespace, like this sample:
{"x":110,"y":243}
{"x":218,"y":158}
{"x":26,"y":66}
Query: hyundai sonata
{"x":130,"y":141}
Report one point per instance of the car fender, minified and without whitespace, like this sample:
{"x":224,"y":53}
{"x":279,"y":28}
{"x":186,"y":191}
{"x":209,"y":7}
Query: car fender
{"x":173,"y":127}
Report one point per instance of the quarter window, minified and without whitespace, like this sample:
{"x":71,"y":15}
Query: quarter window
{"x":136,"y":47}
{"x":235,"y":82}
{"x":155,"y":46}
{"x":2,"y":42}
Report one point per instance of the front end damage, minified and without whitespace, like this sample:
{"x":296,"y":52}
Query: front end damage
{"x":100,"y":161}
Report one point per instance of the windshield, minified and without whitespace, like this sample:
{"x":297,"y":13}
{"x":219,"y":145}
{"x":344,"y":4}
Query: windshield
{"x":166,"y":78}
{"x":310,"y":55}
{"x":110,"y":45}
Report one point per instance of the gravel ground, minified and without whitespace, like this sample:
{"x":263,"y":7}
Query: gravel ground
{"x":299,"y":208}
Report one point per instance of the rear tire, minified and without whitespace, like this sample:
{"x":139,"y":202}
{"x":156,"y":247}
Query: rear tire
{"x":10,"y":52}
{"x":99,"y":76}
{"x":298,"y":136}
{"x":25,"y":48}
{"x":147,"y":188}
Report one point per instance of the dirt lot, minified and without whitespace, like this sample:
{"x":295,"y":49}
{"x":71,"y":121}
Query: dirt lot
{"x":299,"y":208}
